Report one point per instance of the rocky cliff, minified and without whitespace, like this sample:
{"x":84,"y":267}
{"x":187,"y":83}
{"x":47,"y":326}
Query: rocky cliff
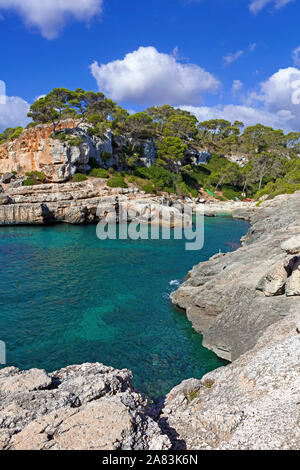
{"x":83,"y":203}
{"x":232,"y":298}
{"x":61,"y":157}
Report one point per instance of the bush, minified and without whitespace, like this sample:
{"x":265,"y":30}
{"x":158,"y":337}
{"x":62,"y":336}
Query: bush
{"x":94,"y":163}
{"x":38,"y":175}
{"x":149,"y":188}
{"x":35,"y":177}
{"x":78,"y":178}
{"x":76,"y":142}
{"x":30,"y":182}
{"x":105,"y":157}
{"x":99,"y":173}
{"x":117,"y":182}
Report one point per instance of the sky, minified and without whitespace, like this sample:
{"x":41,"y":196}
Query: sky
{"x":231,"y":59}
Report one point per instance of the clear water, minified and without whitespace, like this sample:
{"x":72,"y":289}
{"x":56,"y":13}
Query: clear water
{"x":67,"y":298}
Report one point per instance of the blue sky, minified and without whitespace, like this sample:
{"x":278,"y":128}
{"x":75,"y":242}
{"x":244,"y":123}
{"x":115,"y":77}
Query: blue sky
{"x":236,"y":59}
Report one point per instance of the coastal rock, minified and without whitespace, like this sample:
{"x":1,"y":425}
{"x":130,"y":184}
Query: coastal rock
{"x":293,"y":283}
{"x":7,"y":178}
{"x":292,"y":245}
{"x":83,"y":407}
{"x":252,"y":404}
{"x":221,"y":296}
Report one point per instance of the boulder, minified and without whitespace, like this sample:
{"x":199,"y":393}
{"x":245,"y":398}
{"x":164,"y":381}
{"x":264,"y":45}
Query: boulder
{"x":7,"y":177}
{"x":273,"y":283}
{"x":293,"y":282}
{"x":292,"y":245}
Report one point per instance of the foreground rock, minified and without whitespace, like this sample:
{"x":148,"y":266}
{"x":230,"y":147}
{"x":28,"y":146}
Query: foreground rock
{"x":233,"y":298}
{"x":251,"y":404}
{"x":81,"y":407}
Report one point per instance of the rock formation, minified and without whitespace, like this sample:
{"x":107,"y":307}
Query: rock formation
{"x":252,"y":404}
{"x":77,"y":408}
{"x":232,"y":298}
{"x":86,"y":202}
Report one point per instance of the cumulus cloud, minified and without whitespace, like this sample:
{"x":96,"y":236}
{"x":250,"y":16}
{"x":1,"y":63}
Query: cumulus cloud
{"x":14,"y":112}
{"x":232,"y":57}
{"x":276,"y":103}
{"x":237,"y":87}
{"x":247,"y":114}
{"x":50,"y":16}
{"x":147,"y":76}
{"x":256,"y":6}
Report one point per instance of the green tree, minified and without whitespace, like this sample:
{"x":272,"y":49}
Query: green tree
{"x":51,"y":108}
{"x":140,"y":126}
{"x":171,"y":153}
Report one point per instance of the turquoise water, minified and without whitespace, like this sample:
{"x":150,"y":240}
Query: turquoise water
{"x":67,"y":298}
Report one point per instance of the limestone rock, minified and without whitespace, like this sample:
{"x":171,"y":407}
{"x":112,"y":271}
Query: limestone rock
{"x":252,"y":404}
{"x":293,"y":282}
{"x":87,"y":407}
{"x":220,"y":296}
{"x":7,"y":178}
{"x":292,"y":245}
{"x":274,"y":281}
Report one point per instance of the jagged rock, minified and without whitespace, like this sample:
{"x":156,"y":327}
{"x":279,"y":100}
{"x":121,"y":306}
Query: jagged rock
{"x":6,"y":179}
{"x":252,"y":404}
{"x":274,"y":282}
{"x":4,"y":199}
{"x":83,"y":407}
{"x":292,"y":245}
{"x":293,"y":282}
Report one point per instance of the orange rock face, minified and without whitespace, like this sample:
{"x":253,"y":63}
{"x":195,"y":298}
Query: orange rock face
{"x":35,"y":150}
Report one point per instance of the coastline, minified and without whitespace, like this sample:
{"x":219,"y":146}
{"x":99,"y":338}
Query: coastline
{"x":244,"y":316}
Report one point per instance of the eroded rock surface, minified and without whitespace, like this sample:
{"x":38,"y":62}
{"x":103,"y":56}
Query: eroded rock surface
{"x":251,"y":404}
{"x":234,"y":297}
{"x":85,"y":202}
{"x":80,"y":407}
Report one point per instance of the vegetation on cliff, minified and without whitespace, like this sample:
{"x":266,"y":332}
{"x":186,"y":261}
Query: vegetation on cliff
{"x":270,"y":157}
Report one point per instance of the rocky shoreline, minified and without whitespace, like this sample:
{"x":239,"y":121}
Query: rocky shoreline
{"x":247,"y":306}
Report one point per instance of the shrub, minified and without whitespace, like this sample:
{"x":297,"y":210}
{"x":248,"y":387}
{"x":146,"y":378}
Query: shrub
{"x":117,"y":182}
{"x":78,"y":178}
{"x":76,"y":142}
{"x":105,"y":157}
{"x":149,"y":188}
{"x":94,"y":163}
{"x":30,"y":182}
{"x":38,"y":175}
{"x":99,"y":173}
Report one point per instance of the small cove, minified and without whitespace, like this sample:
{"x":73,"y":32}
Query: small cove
{"x":67,"y":298}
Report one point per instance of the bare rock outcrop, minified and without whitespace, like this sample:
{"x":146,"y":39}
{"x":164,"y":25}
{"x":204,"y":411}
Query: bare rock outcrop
{"x":252,"y":404}
{"x":80,"y":407}
{"x":232,"y":298}
{"x":83,"y":203}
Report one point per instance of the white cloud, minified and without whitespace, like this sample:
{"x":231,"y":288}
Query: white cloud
{"x":50,"y":16}
{"x":232,"y":57}
{"x":256,"y":6}
{"x":252,"y":46}
{"x":296,"y":55}
{"x":147,"y":76}
{"x":14,"y":112}
{"x":237,"y":87}
{"x":276,"y":103}
{"x":247,"y":114}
